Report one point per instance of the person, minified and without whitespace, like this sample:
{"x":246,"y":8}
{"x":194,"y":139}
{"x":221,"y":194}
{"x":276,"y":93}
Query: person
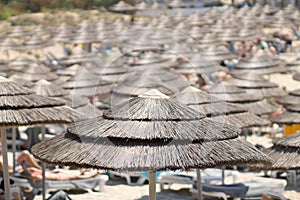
{"x":29,"y":168}
{"x":262,"y":44}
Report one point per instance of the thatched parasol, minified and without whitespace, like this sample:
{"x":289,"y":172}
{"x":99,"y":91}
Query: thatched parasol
{"x":20,"y":81}
{"x":122,"y":6}
{"x":284,"y":154}
{"x":45,"y":88}
{"x":149,"y":133}
{"x":9,"y":44}
{"x":68,"y":71}
{"x":199,"y":64}
{"x":19,"y":63}
{"x":35,"y":72}
{"x":233,"y":94}
{"x":259,"y":107}
{"x":78,"y":58}
{"x":292,"y":99}
{"x":216,"y":108}
{"x":297,"y":77}
{"x":254,"y":83}
{"x":19,"y":106}
{"x":258,"y":65}
{"x":41,"y":30}
{"x":290,"y":116}
{"x":18,"y":31}
{"x":35,"y":42}
{"x":176,"y":4}
{"x":218,"y":53}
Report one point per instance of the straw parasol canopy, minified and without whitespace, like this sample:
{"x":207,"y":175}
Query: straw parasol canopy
{"x":41,"y":30}
{"x":218,"y":53}
{"x":254,"y":83}
{"x":290,"y":116}
{"x":284,"y":154}
{"x":218,"y":109}
{"x":20,"y":81}
{"x":45,"y":88}
{"x":18,"y":31}
{"x":258,"y":65}
{"x":9,"y":44}
{"x":35,"y":42}
{"x":68,"y":71}
{"x":233,"y":94}
{"x":297,"y":77}
{"x":176,"y":4}
{"x":122,"y":6}
{"x":292,"y":99}
{"x":36,"y":72}
{"x":20,"y":106}
{"x":148,"y":133}
{"x":199,"y":64}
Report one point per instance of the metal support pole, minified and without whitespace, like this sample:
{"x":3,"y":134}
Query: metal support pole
{"x":199,"y":184}
{"x":5,"y":164}
{"x":43,"y":131}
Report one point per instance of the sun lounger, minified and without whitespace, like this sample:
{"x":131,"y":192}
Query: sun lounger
{"x":255,"y":189}
{"x":132,"y":178}
{"x":88,"y":184}
{"x":178,"y":177}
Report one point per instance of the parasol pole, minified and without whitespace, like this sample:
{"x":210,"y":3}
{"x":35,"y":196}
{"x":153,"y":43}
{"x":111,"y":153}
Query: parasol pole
{"x":199,"y":184}
{"x":223,"y":175}
{"x":152,"y":185}
{"x":5,"y":164}
{"x":43,"y":131}
{"x":14,"y":130}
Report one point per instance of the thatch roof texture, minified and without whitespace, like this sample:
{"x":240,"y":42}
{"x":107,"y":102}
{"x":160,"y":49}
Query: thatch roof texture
{"x":284,"y":154}
{"x":45,"y":88}
{"x":19,"y":106}
{"x":174,"y":147}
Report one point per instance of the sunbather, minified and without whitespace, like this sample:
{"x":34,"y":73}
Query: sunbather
{"x":29,"y":168}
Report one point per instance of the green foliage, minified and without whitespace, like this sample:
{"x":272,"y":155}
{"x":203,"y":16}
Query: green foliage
{"x":10,"y":8}
{"x":213,"y":3}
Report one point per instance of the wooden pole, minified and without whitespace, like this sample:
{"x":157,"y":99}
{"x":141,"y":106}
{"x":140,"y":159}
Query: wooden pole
{"x":152,"y":185}
{"x":43,"y":131}
{"x":5,"y":164}
{"x":14,"y":130}
{"x":199,"y":184}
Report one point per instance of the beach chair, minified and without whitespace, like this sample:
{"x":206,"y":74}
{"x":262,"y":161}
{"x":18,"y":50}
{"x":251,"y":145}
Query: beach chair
{"x":88,"y":184}
{"x":179,"y":177}
{"x":132,"y":178}
{"x":255,"y":189}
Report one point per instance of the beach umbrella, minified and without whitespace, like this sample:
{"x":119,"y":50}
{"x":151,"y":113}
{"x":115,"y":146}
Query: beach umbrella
{"x":218,"y":109}
{"x":41,"y":30}
{"x":68,"y":71}
{"x":20,"y":81}
{"x":198,"y":64}
{"x":19,"y":63}
{"x":297,"y":77}
{"x":258,"y":65}
{"x":35,"y":72}
{"x":290,"y":116}
{"x":269,"y":9}
{"x":122,"y":6}
{"x":176,"y":4}
{"x":45,"y":88}
{"x":284,"y":154}
{"x":18,"y":31}
{"x":87,"y":84}
{"x":78,"y":58}
{"x":10,"y":44}
{"x":107,"y":70}
{"x":142,"y":6}
{"x":240,"y":97}
{"x":254,"y":83}
{"x":293,"y":98}
{"x":218,"y":53}
{"x":161,"y":134}
{"x":151,"y":60}
{"x":35,"y":42}
{"x":19,"y":106}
